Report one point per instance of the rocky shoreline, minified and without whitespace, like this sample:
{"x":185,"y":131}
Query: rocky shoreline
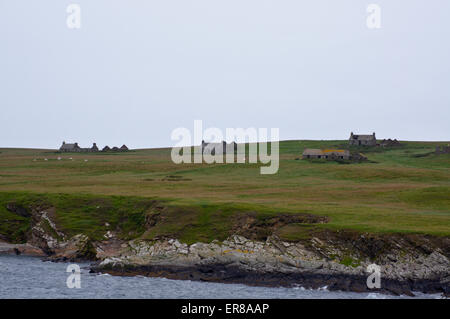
{"x":229,"y":274}
{"x":273,"y":263}
{"x":239,"y":260}
{"x":337,"y":260}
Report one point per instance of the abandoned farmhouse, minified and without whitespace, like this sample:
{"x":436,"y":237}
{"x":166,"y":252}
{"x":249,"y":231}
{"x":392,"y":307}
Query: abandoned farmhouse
{"x":75,"y":148}
{"x":342,"y":154}
{"x":443,"y":150}
{"x":220,"y":148}
{"x":362,"y":140}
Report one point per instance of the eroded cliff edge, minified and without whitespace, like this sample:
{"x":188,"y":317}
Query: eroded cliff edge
{"x":253,"y":255}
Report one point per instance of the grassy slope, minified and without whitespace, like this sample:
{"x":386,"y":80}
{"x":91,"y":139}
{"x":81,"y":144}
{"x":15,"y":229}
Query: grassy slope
{"x":398,"y":192}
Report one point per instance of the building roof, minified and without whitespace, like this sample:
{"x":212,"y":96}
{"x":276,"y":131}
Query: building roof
{"x":338,"y":152}
{"x":69,"y":146}
{"x":362,"y":137}
{"x":123,"y":147}
{"x":312,"y":151}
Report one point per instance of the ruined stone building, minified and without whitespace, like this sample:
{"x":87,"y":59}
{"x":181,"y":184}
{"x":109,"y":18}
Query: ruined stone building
{"x":312,"y":153}
{"x":69,"y":147}
{"x":224,"y":148}
{"x":390,"y":143}
{"x":443,"y":150}
{"x":362,"y":140}
{"x":75,"y":148}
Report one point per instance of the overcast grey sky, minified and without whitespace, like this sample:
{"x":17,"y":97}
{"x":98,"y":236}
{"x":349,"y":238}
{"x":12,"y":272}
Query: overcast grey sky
{"x":136,"y":70}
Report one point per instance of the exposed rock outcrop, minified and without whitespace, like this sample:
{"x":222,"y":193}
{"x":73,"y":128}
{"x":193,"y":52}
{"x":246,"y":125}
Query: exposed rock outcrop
{"x":277,"y":263}
{"x":45,"y":239}
{"x":77,"y":248}
{"x":254,"y":255}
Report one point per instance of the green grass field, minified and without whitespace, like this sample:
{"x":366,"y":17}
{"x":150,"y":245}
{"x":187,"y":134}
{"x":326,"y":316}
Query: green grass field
{"x":403,"y":189}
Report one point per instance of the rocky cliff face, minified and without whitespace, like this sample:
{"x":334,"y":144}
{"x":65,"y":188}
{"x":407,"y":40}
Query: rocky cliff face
{"x":45,"y":239}
{"x":278,"y":263}
{"x":336,"y":259}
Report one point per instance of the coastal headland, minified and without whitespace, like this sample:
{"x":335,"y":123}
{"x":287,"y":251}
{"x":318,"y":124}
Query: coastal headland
{"x":314,"y":224}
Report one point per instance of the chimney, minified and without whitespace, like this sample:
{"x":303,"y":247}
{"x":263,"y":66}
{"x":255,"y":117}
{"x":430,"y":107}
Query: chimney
{"x":64,"y":142}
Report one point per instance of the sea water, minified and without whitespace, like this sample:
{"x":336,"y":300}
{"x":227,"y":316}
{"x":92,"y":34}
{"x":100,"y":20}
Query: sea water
{"x":29,"y":277}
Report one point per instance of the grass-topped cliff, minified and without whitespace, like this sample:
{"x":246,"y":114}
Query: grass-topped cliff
{"x":143,"y":194}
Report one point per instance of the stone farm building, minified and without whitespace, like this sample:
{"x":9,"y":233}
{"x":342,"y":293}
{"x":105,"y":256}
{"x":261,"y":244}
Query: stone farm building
{"x":212,"y":148}
{"x":123,"y":148}
{"x":362,"y":140}
{"x":390,"y":143}
{"x":443,"y":150}
{"x":312,"y":153}
{"x":74,"y":148}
